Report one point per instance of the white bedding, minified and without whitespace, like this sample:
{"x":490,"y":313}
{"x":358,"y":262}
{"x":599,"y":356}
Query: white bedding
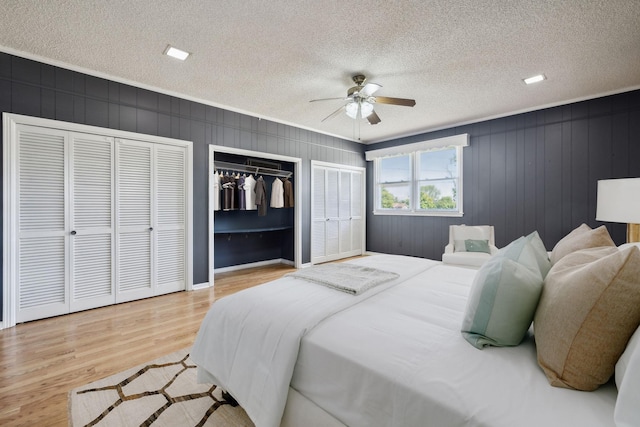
{"x":400,"y":360}
{"x":248,"y":342}
{"x":393,"y":356}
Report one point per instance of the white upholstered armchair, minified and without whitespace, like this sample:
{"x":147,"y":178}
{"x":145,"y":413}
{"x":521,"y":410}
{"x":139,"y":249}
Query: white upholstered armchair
{"x":469,"y":245}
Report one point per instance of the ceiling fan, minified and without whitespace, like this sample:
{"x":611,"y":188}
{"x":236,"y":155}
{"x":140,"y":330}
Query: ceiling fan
{"x":360,"y":101}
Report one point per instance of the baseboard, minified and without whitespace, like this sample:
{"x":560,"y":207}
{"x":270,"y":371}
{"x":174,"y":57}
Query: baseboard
{"x":252,"y":265}
{"x":199,"y":286}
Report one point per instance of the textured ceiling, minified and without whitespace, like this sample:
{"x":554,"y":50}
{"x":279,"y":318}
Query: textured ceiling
{"x":461,"y":60}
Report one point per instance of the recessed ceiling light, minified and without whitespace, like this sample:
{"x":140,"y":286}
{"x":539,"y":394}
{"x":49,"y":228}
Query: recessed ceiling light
{"x":176,"y":53}
{"x":535,"y":79}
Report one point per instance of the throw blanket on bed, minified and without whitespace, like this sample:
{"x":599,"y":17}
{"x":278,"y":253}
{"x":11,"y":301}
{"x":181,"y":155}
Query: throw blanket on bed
{"x":349,"y":278}
{"x":248,"y":342}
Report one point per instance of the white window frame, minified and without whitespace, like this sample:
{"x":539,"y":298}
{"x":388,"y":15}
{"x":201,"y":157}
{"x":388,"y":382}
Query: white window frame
{"x":413,"y":151}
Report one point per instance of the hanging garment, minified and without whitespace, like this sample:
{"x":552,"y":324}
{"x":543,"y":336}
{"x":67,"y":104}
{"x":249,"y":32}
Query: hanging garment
{"x":215,"y":191}
{"x":249,"y":193}
{"x":236,"y":191}
{"x":228,"y":190}
{"x":288,"y":193}
{"x":261,"y":197}
{"x":277,"y":194}
{"x":241,"y":193}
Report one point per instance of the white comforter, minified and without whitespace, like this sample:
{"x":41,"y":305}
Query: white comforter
{"x":248,"y":342}
{"x":399,"y":359}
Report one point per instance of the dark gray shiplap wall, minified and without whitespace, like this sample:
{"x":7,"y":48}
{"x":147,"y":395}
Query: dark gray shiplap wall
{"x":532,"y":171}
{"x":40,"y":90}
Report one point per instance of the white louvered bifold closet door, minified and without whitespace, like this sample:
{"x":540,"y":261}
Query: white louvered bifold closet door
{"x":92,"y":220}
{"x":318,"y":216}
{"x":92,"y":281}
{"x":357,"y":213}
{"x":170,"y":230}
{"x":344,"y":211}
{"x":337,"y":225}
{"x":42,"y":238}
{"x":134,"y":227}
{"x":332,"y":206}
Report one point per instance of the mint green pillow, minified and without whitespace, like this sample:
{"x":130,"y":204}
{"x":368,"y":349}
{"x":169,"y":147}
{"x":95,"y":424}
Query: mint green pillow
{"x":472,"y":245}
{"x":530,"y":252}
{"x":502,"y":303}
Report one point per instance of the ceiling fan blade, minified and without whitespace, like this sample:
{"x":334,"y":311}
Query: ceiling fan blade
{"x":329,"y":99}
{"x":395,"y":101}
{"x":373,"y":118}
{"x":335,"y":113}
{"x":369,"y":89}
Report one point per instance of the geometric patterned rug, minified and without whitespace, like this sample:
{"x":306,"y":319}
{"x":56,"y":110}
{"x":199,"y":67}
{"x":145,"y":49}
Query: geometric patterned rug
{"x":161,"y":393}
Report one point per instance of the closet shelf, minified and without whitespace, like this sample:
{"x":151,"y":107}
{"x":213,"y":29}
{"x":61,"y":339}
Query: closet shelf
{"x":256,"y":170}
{"x":252,"y":230}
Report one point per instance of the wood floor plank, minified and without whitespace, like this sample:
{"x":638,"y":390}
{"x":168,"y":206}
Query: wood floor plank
{"x":41,"y":361}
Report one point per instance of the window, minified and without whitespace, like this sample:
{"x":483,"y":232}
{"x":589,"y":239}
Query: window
{"x":424,"y":181}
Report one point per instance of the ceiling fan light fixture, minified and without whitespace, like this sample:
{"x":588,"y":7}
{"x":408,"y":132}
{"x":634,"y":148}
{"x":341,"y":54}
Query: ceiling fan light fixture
{"x":366,"y":108}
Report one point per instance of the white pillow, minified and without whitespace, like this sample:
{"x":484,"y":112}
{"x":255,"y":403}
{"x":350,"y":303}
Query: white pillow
{"x":627,"y":410}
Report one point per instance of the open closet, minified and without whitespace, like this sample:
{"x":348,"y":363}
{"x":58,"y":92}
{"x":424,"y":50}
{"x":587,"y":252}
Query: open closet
{"x":254,"y":209}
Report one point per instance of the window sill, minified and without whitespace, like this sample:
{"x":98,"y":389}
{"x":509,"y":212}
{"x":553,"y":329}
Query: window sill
{"x":400,"y":212}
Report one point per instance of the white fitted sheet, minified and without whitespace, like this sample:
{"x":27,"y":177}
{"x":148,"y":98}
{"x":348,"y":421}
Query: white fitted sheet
{"x":398,"y":359}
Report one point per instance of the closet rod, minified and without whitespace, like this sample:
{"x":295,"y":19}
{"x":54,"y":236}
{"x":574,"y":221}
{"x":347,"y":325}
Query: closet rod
{"x":256,"y":170}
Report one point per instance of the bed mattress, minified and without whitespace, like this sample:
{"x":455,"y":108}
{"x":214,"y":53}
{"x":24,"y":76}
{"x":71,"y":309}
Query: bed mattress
{"x":399,"y":359}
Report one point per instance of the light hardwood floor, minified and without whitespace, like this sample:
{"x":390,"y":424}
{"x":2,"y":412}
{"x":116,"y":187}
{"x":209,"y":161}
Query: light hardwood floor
{"x":41,"y":361}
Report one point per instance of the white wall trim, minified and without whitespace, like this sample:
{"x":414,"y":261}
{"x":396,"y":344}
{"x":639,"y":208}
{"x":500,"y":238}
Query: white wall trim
{"x":253,"y":265}
{"x":200,"y":286}
{"x":461,"y":140}
{"x":297,"y":197}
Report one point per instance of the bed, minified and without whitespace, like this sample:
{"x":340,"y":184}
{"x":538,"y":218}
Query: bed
{"x":294,"y":353}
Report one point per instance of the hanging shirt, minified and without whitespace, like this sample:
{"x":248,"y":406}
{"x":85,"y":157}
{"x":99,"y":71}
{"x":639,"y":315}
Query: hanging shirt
{"x":261,"y":197}
{"x":215,"y":191}
{"x":241,"y":193}
{"x":277,"y":194}
{"x":228,"y":191}
{"x":249,"y":193}
{"x":288,"y":193}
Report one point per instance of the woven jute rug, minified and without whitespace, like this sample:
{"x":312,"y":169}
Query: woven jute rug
{"x":163,"y":392}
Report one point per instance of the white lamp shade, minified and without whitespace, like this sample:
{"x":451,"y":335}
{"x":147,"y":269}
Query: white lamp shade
{"x":619,"y":200}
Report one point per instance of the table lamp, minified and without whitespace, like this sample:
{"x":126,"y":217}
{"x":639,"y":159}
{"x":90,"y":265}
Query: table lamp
{"x":619,"y":201}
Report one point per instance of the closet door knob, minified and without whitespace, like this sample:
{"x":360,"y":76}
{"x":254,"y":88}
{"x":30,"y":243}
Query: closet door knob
{"x":73,"y":232}
{"x":150,"y":228}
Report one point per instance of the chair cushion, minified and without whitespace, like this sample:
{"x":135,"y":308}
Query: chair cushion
{"x":582,"y":237}
{"x":589,"y":307}
{"x":472,"y":259}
